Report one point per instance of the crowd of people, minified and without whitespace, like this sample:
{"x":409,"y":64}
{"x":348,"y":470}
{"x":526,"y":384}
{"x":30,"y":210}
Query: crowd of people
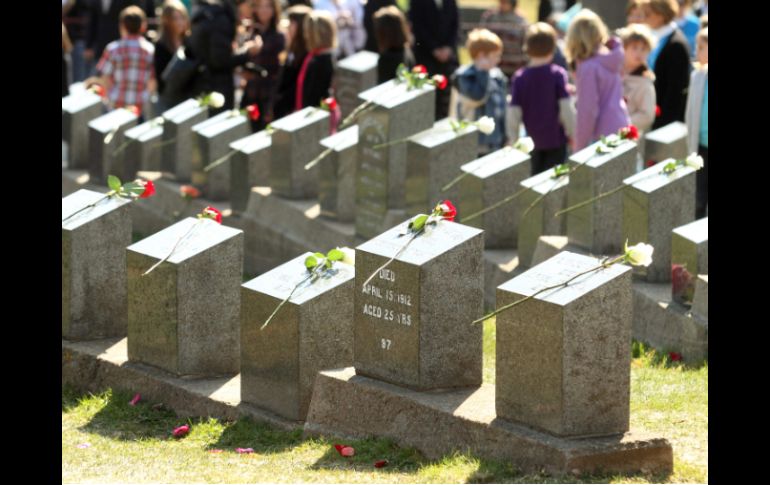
{"x":565,"y":81}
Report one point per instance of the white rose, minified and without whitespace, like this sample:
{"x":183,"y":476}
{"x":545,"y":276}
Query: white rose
{"x":525,"y":144}
{"x":610,"y":139}
{"x":216,"y":100}
{"x":486,"y":125}
{"x":695,"y":161}
{"x":639,"y":255}
{"x":350,"y":255}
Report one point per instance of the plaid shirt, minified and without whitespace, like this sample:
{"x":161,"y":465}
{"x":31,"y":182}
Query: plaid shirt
{"x":129,"y":63}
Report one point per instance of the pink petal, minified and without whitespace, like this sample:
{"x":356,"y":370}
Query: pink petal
{"x":244,"y":450}
{"x":84,"y":445}
{"x":135,"y":399}
{"x":380,"y":463}
{"x":181,"y":431}
{"x":348,"y":451}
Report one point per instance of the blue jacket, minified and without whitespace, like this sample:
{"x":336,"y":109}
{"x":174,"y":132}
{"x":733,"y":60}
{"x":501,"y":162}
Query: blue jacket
{"x":490,"y":87}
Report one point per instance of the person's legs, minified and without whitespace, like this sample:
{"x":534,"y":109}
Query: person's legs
{"x":554,"y":157}
{"x":538,"y":161}
{"x":702,"y":184}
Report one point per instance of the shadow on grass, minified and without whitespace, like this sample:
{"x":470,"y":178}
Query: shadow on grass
{"x":262,"y":438}
{"x":368,"y":452}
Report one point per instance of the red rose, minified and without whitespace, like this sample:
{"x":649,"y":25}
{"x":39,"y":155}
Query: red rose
{"x":149,"y":188}
{"x":657,"y":111}
{"x":189,"y":192}
{"x":345,"y":450}
{"x":650,"y":163}
{"x":98,"y":90}
{"x":448,"y":210}
{"x":631,"y":132}
{"x":212,"y":213}
{"x":181,"y":431}
{"x":253,"y":112}
{"x":419,"y":69}
{"x":440,"y":81}
{"x":330,"y":103}
{"x":675,"y":356}
{"x":134,"y":109}
{"x":380,"y":463}
{"x":680,"y":279}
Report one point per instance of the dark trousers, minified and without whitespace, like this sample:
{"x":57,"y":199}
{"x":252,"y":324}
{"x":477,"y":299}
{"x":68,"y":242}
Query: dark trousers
{"x":445,"y":68}
{"x":542,"y":160}
{"x":702,"y":184}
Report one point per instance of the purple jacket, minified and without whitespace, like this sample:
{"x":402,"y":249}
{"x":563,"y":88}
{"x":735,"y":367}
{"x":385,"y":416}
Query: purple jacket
{"x":601,"y":109}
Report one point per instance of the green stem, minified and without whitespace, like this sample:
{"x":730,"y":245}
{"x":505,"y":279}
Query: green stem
{"x":219,"y":161}
{"x":522,"y":300}
{"x":196,"y":224}
{"x":106,"y":196}
{"x":398,"y":253}
{"x":313,"y":274}
{"x":589,"y":201}
{"x":543,"y":196}
{"x":312,"y":163}
{"x":494,"y":206}
{"x":359,"y":110}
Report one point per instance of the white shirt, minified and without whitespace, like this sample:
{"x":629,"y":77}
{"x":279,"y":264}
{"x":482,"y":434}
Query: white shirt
{"x":662,"y":32}
{"x":351,"y":39}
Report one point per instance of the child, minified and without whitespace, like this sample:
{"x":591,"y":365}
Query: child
{"x":294,"y":55}
{"x":392,"y":35}
{"x":126,"y":66}
{"x":634,"y":12}
{"x":315,"y":75}
{"x":697,"y":119}
{"x":601,"y":109}
{"x":638,"y":79}
{"x":481,"y":87}
{"x":540,"y":100}
{"x":511,"y":28}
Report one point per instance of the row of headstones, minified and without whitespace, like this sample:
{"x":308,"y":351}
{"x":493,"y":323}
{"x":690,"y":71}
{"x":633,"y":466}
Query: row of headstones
{"x":563,"y":360}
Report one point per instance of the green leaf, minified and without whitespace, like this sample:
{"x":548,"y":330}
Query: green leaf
{"x":669,"y":167}
{"x":328,"y":264}
{"x":562,"y":169}
{"x":335,"y":255}
{"x":311,"y":262}
{"x":113,"y":183}
{"x":319,"y":255}
{"x":418,"y":222}
{"x":134,"y":188}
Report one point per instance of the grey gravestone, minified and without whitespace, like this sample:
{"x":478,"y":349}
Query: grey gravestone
{"x":653,"y":205}
{"x":395,"y":114}
{"x":211,"y":140}
{"x":142,"y":151}
{"x":689,"y":258}
{"x":337,"y":182}
{"x":434,"y":158}
{"x":491,"y":179}
{"x":184,"y":316}
{"x":598,"y":227}
{"x":700,"y":302}
{"x":249,"y":167}
{"x":103,"y":160}
{"x":296,"y":141}
{"x":77,"y":110}
{"x":355,"y":74}
{"x":310,"y":333}
{"x":563,"y":361}
{"x":413,"y":320}
{"x":176,"y":148}
{"x":93,"y":278}
{"x":540,"y":220}
{"x":668,"y":141}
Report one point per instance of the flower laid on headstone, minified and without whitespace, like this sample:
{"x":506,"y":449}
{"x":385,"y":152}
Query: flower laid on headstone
{"x":252,"y":111}
{"x":213,"y":100}
{"x":317,"y":265}
{"x":345,"y":450}
{"x":152,"y":124}
{"x":98,"y":90}
{"x":111,"y":134}
{"x":417,"y":77}
{"x":524,"y":144}
{"x":181,"y":431}
{"x":208,"y":213}
{"x":444,"y":211}
{"x":638,"y":255}
{"x":485,"y":124}
{"x":189,"y":192}
{"x":693,"y":161}
{"x":138,"y":189}
{"x":609,"y":142}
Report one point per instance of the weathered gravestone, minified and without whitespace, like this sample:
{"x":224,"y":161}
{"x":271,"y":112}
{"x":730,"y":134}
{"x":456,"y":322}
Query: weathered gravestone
{"x":142,"y":150}
{"x":689,"y":258}
{"x":211,"y":140}
{"x":668,"y":141}
{"x":395,"y":113}
{"x":184,"y":316}
{"x":562,"y":358}
{"x":176,"y":147}
{"x":77,"y":110}
{"x":93,"y":253}
{"x":337,"y":175}
{"x":654,"y":204}
{"x":103,"y":160}
{"x":434,"y":158}
{"x":296,"y":141}
{"x":249,"y":167}
{"x":413,"y":320}
{"x":311,"y":332}
{"x":598,"y":227}
{"x":355,"y":74}
{"x":545,"y":195}
{"x":489,"y":180}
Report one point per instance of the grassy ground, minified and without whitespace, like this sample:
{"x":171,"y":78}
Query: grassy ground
{"x":133,"y":443}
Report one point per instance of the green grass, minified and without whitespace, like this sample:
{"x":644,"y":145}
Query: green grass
{"x":134,"y":443}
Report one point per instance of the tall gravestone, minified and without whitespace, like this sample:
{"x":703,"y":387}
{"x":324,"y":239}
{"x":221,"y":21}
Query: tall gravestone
{"x":562,"y":357}
{"x":211,"y":140}
{"x":434,"y":158}
{"x":668,"y":141}
{"x":103,"y":159}
{"x":395,"y":113}
{"x":546,"y":195}
{"x":249,"y":167}
{"x":184,"y":316}
{"x":313,"y":331}
{"x":337,"y":175}
{"x":296,"y":141}
{"x":176,"y":147}
{"x":598,"y":227}
{"x":654,"y":204}
{"x":412,"y":323}
{"x":489,"y":180}
{"x":355,"y":74}
{"x":142,"y":150}
{"x":77,"y":111}
{"x":94,"y":265}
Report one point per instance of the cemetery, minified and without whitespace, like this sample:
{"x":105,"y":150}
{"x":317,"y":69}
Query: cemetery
{"x":506,"y":316}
